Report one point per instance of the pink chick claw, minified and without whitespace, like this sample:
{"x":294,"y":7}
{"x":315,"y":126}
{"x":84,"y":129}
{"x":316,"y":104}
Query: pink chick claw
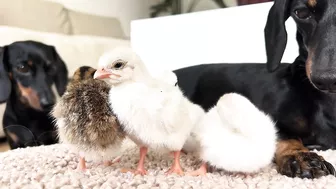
{"x":81,"y":164}
{"x":141,"y":168}
{"x":176,"y":167}
{"x":199,"y":172}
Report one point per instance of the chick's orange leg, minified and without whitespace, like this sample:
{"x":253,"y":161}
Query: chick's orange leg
{"x":141,"y":168}
{"x":199,"y":172}
{"x":81,"y":164}
{"x":110,"y":162}
{"x":117,"y":159}
{"x":107,"y":163}
{"x":176,"y":167}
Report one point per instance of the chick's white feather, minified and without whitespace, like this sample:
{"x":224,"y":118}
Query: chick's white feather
{"x":153,"y":111}
{"x":167,"y":76}
{"x":155,"y":117}
{"x":234,"y":135}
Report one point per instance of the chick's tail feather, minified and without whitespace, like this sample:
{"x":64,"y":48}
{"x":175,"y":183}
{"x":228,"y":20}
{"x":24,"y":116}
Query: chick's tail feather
{"x":236,"y":136}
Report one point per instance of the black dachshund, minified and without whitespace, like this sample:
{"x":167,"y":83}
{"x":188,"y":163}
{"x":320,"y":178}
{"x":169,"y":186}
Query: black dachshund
{"x":28,"y":69}
{"x":300,"y":97}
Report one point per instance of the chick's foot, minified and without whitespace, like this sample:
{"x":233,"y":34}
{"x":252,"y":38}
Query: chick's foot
{"x":107,"y":163}
{"x":138,"y":171}
{"x":116,"y":160}
{"x":110,"y":162}
{"x":176,"y":167}
{"x":81,"y":164}
{"x":141,"y":168}
{"x":199,"y":172}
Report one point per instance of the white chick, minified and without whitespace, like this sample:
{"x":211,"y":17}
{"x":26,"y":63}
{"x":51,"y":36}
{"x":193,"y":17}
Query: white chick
{"x":153,"y":112}
{"x":167,"y":76}
{"x":235,"y":136}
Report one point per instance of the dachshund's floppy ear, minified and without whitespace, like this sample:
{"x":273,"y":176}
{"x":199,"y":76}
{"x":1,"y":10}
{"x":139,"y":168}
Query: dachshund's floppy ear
{"x":61,"y":78}
{"x":5,"y":83}
{"x":276,"y":34}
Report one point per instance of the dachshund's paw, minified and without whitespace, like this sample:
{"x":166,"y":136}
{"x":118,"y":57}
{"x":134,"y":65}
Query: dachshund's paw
{"x":305,"y":165}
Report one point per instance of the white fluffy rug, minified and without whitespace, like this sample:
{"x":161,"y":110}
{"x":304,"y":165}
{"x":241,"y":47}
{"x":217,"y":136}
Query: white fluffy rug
{"x":55,"y":167}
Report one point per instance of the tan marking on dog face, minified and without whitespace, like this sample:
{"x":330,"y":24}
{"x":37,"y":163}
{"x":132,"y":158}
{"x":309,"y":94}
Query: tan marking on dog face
{"x":13,"y":137}
{"x":312,"y":3}
{"x":309,"y":63}
{"x":30,"y":63}
{"x":30,"y":96}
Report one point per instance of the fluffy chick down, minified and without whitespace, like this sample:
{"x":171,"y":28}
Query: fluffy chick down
{"x":235,"y":136}
{"x":84,"y":119}
{"x":160,"y":118}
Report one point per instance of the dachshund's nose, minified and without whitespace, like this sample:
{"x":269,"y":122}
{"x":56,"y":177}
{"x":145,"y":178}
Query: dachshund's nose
{"x":324,"y":81}
{"x":46,"y":104}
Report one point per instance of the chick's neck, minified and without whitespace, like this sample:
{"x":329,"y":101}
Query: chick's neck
{"x":141,"y":74}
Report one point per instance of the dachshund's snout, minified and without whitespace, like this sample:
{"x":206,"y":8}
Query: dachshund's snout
{"x":321,"y":62}
{"x":324,"y":80}
{"x":46,"y":103}
{"x":46,"y":97}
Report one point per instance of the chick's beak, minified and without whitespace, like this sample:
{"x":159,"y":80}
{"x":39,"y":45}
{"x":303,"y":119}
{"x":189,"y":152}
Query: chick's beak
{"x":101,"y":74}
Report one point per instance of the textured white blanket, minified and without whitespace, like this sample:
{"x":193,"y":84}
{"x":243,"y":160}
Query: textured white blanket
{"x":55,"y":167}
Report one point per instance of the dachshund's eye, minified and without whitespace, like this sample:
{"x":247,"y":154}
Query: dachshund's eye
{"x":303,"y":13}
{"x":22,"y":68}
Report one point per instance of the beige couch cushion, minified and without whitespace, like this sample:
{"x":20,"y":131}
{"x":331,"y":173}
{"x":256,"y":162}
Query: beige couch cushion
{"x":75,"y":50}
{"x":87,"y":24}
{"x":36,"y":15}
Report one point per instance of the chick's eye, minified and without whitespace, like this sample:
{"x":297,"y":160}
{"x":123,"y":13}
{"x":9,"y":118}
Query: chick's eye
{"x":22,"y":68}
{"x":303,"y":13}
{"x":118,"y":65}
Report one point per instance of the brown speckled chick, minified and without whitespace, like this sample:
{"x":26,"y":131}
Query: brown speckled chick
{"x":85,"y":121}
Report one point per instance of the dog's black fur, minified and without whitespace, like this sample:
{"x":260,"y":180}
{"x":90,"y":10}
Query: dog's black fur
{"x":300,"y":96}
{"x":28,"y":69}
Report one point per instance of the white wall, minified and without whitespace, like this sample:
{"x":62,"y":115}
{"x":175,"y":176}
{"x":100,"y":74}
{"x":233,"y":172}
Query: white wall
{"x":206,"y":4}
{"x":128,"y":10}
{"x":231,"y":35}
{"x":124,"y":10}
